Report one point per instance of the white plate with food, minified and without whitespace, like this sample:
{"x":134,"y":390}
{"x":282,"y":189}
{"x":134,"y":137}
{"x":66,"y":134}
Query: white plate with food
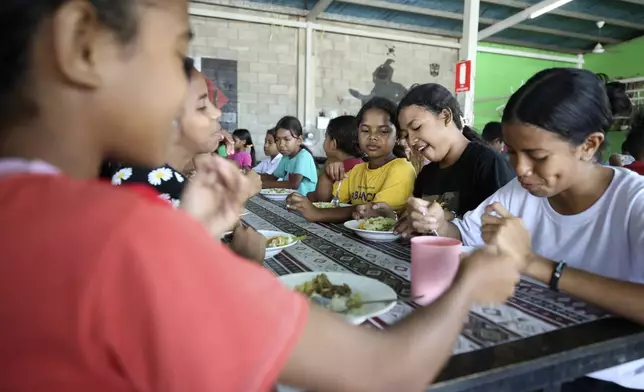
{"x":344,"y":290}
{"x":277,"y":194}
{"x":378,"y":229}
{"x":276,"y":241}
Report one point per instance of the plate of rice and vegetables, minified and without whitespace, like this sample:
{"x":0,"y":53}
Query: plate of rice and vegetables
{"x":347,"y":294}
{"x":276,"y":241}
{"x":278,"y":194}
{"x":379,"y":229}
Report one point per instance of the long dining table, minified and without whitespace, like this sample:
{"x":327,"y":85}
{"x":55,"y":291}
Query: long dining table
{"x":536,"y":341}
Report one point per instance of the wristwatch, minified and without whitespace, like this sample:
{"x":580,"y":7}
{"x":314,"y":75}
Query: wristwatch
{"x":556,"y":275}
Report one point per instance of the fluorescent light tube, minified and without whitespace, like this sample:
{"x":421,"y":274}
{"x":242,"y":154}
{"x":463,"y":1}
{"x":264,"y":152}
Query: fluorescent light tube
{"x":549,"y":8}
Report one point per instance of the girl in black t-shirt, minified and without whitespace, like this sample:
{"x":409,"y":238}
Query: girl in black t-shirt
{"x":463,"y":170}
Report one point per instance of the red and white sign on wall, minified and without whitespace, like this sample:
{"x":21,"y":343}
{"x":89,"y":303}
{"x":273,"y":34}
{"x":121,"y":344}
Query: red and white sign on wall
{"x":463,"y":76}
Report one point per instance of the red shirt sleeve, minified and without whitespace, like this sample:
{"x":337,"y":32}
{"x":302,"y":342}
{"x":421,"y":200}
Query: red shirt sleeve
{"x":179,"y":312}
{"x":350,"y":163}
{"x":637,"y":167}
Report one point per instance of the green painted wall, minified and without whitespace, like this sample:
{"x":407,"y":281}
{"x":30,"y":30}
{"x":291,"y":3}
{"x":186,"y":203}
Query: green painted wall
{"x":621,"y":61}
{"x":500,"y":75}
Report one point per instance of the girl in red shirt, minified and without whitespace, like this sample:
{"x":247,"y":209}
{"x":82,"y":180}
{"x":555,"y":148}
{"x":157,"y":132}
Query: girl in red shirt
{"x":103,"y":290}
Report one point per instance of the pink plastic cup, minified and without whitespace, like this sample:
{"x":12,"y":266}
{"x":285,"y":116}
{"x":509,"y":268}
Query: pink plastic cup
{"x":434,"y":263}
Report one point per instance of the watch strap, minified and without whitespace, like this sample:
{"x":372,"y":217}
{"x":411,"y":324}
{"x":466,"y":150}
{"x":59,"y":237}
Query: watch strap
{"x":556,"y":275}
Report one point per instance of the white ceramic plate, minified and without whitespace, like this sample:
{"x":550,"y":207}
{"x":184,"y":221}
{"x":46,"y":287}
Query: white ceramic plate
{"x":272,"y":252}
{"x":269,"y":194}
{"x":375,"y":236}
{"x":369,"y":290}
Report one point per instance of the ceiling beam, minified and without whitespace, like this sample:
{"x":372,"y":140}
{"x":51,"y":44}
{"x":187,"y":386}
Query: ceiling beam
{"x":391,"y":25}
{"x":441,"y":32}
{"x":487,"y":21}
{"x":254,"y":6}
{"x":405,"y":8}
{"x":318,"y":9}
{"x":526,"y":44}
{"x":638,"y":2}
{"x":515,"y":19}
{"x":570,"y":14}
{"x":568,"y":34}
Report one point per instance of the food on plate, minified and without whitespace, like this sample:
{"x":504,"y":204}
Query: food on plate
{"x":340,"y":296}
{"x":377,"y":224}
{"x":324,"y":205}
{"x":277,"y":191}
{"x":282,"y":240}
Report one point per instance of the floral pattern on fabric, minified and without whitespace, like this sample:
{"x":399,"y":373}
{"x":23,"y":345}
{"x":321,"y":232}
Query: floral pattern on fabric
{"x":168,"y":182}
{"x":121,"y":175}
{"x":158,"y":176}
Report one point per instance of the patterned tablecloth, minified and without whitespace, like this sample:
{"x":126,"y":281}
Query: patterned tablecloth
{"x":329,"y":247}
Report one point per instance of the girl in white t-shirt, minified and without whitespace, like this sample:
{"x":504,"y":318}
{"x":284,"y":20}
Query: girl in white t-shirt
{"x":274,"y":157}
{"x":563,"y":209}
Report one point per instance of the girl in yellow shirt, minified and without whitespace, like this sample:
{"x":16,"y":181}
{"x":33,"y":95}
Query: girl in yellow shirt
{"x":385,"y":178}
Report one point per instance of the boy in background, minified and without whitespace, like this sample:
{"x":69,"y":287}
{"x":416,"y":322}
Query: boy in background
{"x":341,"y":145}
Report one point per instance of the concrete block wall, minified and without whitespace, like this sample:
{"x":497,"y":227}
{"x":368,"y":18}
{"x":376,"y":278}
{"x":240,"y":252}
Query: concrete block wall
{"x":268,"y":58}
{"x":344,"y":62}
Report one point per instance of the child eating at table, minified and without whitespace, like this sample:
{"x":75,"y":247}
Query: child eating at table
{"x":573,"y":224}
{"x":243,"y":142}
{"x":269,"y":165}
{"x":384,"y":179}
{"x":297,"y":166}
{"x":342,"y":148}
{"x":463,"y":171}
{"x":110,"y":289}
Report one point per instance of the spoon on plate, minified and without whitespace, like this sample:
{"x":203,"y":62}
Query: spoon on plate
{"x":326,"y":302}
